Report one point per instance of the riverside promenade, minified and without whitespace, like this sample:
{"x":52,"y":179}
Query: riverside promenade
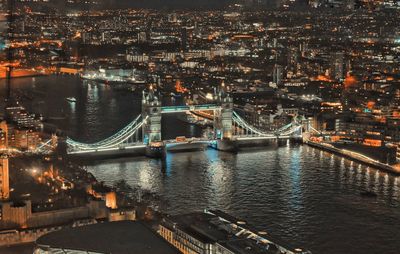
{"x":355,"y":156}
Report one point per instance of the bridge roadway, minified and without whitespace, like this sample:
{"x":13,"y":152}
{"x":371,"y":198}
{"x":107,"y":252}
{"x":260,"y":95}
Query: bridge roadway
{"x":140,"y":147}
{"x":123,"y":142}
{"x":173,"y":146}
{"x":185,"y":108}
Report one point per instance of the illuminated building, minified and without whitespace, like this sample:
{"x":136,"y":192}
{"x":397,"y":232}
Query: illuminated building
{"x":4,"y":178}
{"x":17,"y":114}
{"x":350,"y":4}
{"x":19,"y":130}
{"x":18,"y":137}
{"x":184,"y":37}
{"x":142,"y":37}
{"x":292,"y":59}
{"x":217,"y":232}
{"x":16,"y":215}
{"x":86,"y":36}
{"x":104,"y":193}
{"x":3,"y":135}
{"x":314,"y":3}
{"x":24,"y":139}
{"x":337,"y":66}
{"x":122,"y":214}
{"x":277,"y":74}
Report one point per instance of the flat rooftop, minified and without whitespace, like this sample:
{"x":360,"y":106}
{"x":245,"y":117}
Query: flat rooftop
{"x":233,"y":233}
{"x":109,"y":237}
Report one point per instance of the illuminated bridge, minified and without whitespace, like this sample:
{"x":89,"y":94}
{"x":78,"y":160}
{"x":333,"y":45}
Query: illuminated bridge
{"x":143,"y":134}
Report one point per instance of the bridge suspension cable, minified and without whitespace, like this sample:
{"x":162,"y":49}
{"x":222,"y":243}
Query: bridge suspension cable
{"x":126,"y":136}
{"x":45,"y":147}
{"x":115,"y":140}
{"x":283,"y":131}
{"x":244,"y":125}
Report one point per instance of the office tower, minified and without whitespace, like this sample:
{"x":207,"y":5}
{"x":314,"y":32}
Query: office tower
{"x":184,"y":38}
{"x":337,"y":66}
{"x":142,"y":37}
{"x":172,"y":18}
{"x":303,"y":48}
{"x":277,"y":74}
{"x":314,"y":3}
{"x":86,"y":37}
{"x":350,"y":4}
{"x":292,"y":59}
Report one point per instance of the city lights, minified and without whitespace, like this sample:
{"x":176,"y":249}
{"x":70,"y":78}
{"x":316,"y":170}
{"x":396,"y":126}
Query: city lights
{"x":199,"y":126}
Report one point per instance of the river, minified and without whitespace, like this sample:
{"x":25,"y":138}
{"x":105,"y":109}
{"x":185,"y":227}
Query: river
{"x":304,"y":196}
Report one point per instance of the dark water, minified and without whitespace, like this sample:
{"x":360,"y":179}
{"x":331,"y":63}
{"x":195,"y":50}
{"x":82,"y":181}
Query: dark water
{"x":304,"y":196}
{"x":99,"y":111}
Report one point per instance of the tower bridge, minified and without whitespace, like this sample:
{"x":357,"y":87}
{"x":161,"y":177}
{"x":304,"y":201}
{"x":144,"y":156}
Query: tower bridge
{"x":143,"y":134}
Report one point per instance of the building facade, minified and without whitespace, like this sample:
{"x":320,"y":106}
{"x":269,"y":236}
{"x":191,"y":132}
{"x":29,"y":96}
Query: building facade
{"x":4,"y":178}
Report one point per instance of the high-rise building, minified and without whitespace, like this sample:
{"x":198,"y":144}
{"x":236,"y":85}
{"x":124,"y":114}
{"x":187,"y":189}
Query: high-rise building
{"x":292,"y":60}
{"x":142,"y":37}
{"x":184,"y":38}
{"x":21,"y":117}
{"x":314,"y":3}
{"x":172,"y":17}
{"x":350,"y":4}
{"x":3,"y":135}
{"x":277,"y":74}
{"x":303,"y":48}
{"x":337,"y":66}
{"x":86,"y":37}
{"x":4,"y":178}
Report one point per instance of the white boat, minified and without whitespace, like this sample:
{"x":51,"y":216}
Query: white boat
{"x":71,"y":99}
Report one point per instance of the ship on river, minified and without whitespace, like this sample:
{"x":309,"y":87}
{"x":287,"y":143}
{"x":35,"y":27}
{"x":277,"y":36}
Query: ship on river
{"x":115,"y":76}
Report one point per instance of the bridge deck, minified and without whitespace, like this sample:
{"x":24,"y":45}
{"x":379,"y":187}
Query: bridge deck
{"x":184,"y":108}
{"x":125,"y":140}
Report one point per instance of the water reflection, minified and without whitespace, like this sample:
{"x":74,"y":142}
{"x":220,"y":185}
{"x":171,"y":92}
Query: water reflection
{"x":295,"y":191}
{"x":288,"y":186}
{"x":305,"y":196}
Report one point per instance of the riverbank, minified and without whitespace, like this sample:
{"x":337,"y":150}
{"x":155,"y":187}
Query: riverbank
{"x":21,"y":73}
{"x":354,"y":156}
{"x":64,"y":214}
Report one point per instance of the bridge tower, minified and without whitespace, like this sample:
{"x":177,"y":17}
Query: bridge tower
{"x":299,"y":134}
{"x":223,"y":117}
{"x":151,"y":111}
{"x":306,"y":128}
{"x":301,"y":128}
{"x":223,"y":122}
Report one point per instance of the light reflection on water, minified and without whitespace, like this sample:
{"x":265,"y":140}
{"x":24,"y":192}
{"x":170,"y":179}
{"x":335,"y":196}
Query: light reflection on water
{"x":305,"y":196}
{"x":287,"y":192}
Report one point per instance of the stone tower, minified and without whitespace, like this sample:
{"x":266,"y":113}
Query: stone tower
{"x":151,"y":112}
{"x":223,"y":121}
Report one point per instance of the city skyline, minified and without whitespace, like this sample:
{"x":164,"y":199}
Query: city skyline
{"x":215,"y":127}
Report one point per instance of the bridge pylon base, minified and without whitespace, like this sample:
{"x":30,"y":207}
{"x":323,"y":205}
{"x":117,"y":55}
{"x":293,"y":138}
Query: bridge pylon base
{"x":225,"y":145}
{"x":297,"y":140}
{"x":283,"y":141}
{"x":155,"y":151}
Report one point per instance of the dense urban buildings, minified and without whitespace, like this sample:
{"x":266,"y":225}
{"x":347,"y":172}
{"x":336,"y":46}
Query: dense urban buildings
{"x":153,"y":126}
{"x":217,"y":232}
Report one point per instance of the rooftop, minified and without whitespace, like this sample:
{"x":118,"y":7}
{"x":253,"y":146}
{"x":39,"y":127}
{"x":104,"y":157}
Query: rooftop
{"x":233,"y":233}
{"x":108,"y":237}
